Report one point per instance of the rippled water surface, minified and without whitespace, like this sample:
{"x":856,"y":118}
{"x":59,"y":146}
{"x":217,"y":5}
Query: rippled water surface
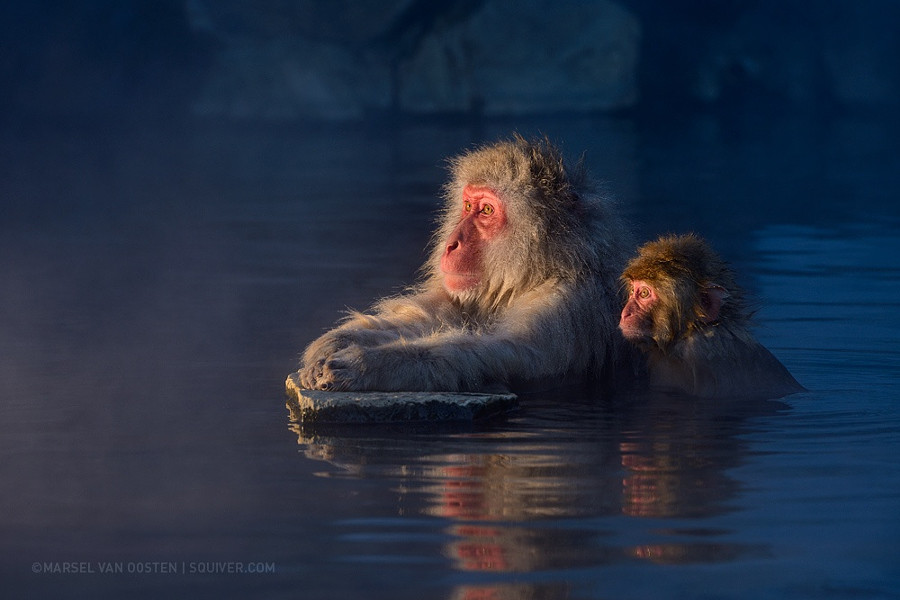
{"x":158,"y":283}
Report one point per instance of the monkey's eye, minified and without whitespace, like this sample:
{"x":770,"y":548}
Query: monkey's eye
{"x":487,"y":210}
{"x":643,"y":293}
{"x":467,"y":206}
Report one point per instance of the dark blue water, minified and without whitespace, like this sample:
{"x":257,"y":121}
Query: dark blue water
{"x":158,"y":283}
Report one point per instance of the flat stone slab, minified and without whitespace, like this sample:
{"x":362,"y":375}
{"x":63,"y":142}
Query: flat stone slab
{"x":315,"y":406}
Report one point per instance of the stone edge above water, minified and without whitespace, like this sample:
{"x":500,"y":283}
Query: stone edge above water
{"x":316,"y":406}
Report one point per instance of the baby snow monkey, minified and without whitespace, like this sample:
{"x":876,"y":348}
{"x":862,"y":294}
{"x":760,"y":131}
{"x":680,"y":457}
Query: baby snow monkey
{"x":687,"y":316}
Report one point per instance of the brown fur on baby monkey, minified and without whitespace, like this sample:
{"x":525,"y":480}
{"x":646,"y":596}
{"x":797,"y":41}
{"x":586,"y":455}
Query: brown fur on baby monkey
{"x":688,"y":317}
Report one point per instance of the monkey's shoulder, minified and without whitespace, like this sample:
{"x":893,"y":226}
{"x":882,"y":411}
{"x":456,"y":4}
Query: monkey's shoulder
{"x":724,"y":363}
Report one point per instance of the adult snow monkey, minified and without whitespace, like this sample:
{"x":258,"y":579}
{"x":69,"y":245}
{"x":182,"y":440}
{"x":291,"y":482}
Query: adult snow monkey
{"x":521,"y":284}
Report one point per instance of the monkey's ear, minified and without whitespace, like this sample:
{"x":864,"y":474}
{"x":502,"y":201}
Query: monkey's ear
{"x":712,"y":296}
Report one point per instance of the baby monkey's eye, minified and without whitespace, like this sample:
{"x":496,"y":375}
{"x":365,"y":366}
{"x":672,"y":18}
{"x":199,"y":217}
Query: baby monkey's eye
{"x":643,"y":293}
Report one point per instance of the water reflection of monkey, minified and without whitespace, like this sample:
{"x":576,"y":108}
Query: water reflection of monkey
{"x":504,"y":492}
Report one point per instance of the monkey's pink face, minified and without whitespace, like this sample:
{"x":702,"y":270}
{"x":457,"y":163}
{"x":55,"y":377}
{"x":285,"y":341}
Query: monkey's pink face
{"x":483,"y":218}
{"x":636,"y":321}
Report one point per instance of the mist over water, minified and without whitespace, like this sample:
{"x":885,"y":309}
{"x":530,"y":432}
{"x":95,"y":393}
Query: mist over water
{"x":158,"y":282}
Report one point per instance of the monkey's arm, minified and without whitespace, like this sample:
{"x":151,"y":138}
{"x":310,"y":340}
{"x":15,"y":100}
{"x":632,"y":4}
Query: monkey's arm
{"x":547,"y":332}
{"x":403,"y":317}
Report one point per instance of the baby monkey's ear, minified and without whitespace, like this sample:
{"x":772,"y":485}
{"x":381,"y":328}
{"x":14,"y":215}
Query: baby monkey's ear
{"x":712,"y":296}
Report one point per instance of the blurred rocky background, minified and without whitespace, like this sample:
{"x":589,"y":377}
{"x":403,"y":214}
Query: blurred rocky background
{"x":342,"y":60}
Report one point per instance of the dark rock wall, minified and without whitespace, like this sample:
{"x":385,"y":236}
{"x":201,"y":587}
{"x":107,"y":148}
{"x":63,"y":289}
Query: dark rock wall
{"x":340,"y":60}
{"x":822,"y":56}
